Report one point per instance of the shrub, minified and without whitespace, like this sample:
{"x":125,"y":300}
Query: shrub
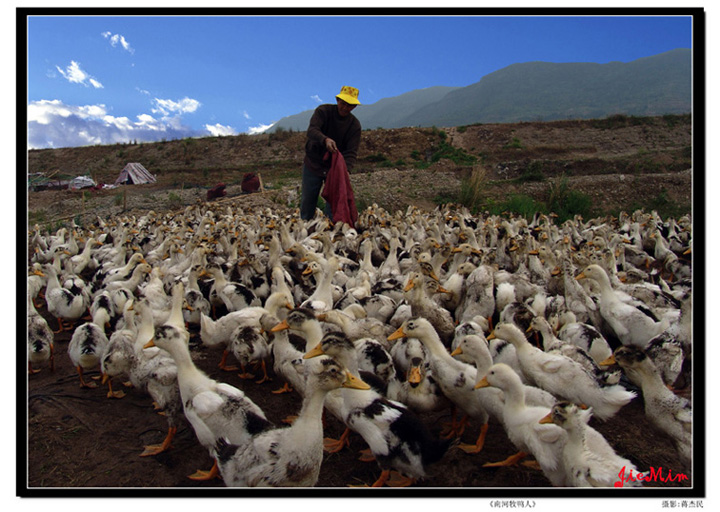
{"x":471,"y":188}
{"x":513,"y":144}
{"x":533,"y":172}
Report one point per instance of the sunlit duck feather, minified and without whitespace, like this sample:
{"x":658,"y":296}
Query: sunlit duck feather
{"x":215,"y":410}
{"x":291,"y":456}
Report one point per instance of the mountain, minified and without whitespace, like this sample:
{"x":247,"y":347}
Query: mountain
{"x":385,"y":113}
{"x":532,"y":91}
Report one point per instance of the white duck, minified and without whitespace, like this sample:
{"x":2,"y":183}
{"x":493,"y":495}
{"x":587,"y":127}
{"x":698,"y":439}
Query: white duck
{"x":215,"y":410}
{"x":562,"y":376}
{"x":670,"y":413}
{"x":522,"y":424}
{"x":291,"y":456}
{"x":631,"y":325}
{"x":588,"y":459}
{"x":61,"y":302}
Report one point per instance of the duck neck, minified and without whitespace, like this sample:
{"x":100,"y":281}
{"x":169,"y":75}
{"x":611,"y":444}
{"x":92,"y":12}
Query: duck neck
{"x":312,"y":410}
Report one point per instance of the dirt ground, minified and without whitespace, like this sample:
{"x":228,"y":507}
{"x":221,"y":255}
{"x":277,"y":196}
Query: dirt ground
{"x":79,"y":439}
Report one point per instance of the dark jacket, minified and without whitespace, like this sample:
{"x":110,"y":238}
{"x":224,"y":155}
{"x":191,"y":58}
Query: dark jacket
{"x":345,"y":131}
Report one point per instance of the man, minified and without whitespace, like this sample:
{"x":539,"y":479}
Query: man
{"x":332,"y":128}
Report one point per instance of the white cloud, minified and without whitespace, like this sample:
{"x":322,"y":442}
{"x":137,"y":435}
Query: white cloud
{"x":74,"y":74}
{"x":116,"y":39}
{"x":52,"y":123}
{"x":254,"y":130}
{"x":246,"y":115}
{"x":218,"y":130}
{"x":142,"y":91}
{"x":316,"y":98}
{"x":168,"y":107}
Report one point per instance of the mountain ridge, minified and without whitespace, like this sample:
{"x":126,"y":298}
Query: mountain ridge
{"x":537,"y":91}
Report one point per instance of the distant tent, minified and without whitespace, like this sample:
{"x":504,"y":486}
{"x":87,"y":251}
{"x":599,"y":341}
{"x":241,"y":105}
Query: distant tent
{"x":134,"y":174}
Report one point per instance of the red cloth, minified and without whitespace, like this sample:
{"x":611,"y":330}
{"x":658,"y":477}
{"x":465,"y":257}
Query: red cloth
{"x":338,"y":191}
{"x":217,"y":191}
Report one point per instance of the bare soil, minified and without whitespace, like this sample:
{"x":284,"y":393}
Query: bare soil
{"x":79,"y":439}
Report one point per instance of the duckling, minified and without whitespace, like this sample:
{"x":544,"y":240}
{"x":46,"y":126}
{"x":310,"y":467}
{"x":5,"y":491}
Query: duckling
{"x":291,"y":456}
{"x":589,"y":461}
{"x":668,"y":412}
{"x":397,"y":438}
{"x":523,"y":427}
{"x":562,"y":376}
{"x":215,"y":410}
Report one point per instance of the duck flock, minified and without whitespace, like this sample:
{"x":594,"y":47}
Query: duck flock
{"x":534,"y":324}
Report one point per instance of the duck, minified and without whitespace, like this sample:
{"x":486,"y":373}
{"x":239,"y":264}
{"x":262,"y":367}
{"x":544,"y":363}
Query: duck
{"x":631,"y":324}
{"x":150,"y":370}
{"x":668,"y":412}
{"x":88,"y":345}
{"x":562,"y":376}
{"x":583,"y":335}
{"x":215,"y":410}
{"x":397,"y":438}
{"x":247,"y":344}
{"x":290,"y":456}
{"x":416,"y":290}
{"x":195,"y":302}
{"x":419,"y":390}
{"x":357,"y":328}
{"x":479,"y":298}
{"x":234,"y":296}
{"x":40,"y":339}
{"x":61,"y":302}
{"x":522,"y":424}
{"x":456,"y":380}
{"x":589,"y":461}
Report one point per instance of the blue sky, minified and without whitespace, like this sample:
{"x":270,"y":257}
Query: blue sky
{"x":102,"y":80}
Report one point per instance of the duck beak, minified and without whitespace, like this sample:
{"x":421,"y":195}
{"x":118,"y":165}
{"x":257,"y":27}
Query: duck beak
{"x":482,"y":383}
{"x":397,"y":335}
{"x":456,"y":352}
{"x":491,"y":336}
{"x":353,"y":382}
{"x":608,"y":362}
{"x":409,"y":286}
{"x":280,"y":327}
{"x":414,"y":376}
{"x":149,"y":344}
{"x":546,"y":419}
{"x":317,"y":351}
{"x":581,"y":275}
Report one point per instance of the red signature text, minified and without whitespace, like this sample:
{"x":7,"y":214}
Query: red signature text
{"x":653,"y":475}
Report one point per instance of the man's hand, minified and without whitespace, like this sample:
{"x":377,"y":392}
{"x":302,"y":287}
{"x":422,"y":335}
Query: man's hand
{"x":330,"y":145}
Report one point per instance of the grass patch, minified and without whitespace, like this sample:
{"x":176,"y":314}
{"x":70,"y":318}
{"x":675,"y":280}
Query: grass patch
{"x":457,"y":155}
{"x":514,"y":144}
{"x":567,"y":202}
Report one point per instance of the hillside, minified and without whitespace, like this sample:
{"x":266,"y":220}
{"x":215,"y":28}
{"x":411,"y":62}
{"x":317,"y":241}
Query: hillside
{"x":538,"y":91}
{"x":618,"y":163}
